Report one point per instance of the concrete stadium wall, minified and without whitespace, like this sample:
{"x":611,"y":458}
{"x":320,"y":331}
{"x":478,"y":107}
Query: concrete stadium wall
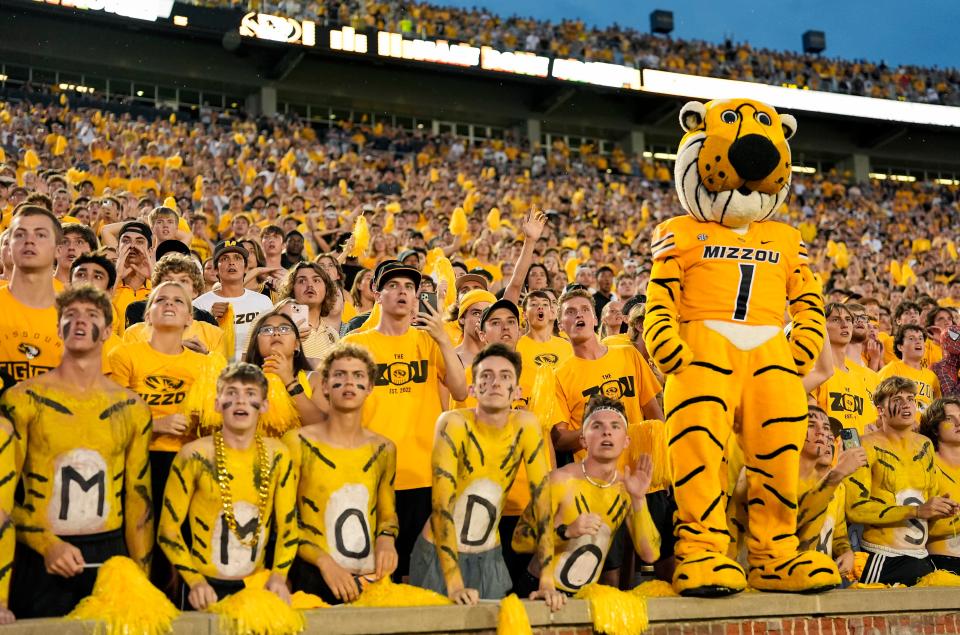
{"x":858,"y":612}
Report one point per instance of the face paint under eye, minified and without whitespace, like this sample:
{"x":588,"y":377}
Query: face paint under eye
{"x":337,"y":385}
{"x":96,"y":333}
{"x":227,"y":405}
{"x":256,"y":404}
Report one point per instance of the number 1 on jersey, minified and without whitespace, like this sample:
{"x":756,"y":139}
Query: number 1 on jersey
{"x":743,"y":291}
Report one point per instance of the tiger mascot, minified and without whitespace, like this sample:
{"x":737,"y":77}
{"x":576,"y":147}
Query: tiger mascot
{"x":722,"y":277}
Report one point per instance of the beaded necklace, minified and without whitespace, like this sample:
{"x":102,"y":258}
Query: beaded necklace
{"x":226,"y":497}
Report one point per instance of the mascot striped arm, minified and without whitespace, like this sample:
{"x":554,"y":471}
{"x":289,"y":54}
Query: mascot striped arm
{"x":721,"y":278}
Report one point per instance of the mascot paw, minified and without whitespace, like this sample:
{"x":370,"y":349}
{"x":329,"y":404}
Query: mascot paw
{"x":708,"y":574}
{"x":804,"y":572}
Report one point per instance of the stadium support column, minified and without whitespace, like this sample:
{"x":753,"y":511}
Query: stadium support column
{"x":635,"y":142}
{"x":861,"y":167}
{"x":534,"y":133}
{"x":263,"y":102}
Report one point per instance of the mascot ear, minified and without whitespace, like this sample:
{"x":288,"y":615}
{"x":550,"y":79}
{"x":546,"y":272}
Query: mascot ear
{"x":692,"y":115}
{"x":789,"y":126}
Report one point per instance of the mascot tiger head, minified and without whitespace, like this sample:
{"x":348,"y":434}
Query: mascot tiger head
{"x":733,"y":165}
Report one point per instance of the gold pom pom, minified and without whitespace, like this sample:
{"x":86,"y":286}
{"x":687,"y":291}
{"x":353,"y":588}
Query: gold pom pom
{"x":493,"y":219}
{"x":257,"y":611}
{"x":650,"y":437}
{"x":361,"y":237}
{"x":615,"y":612}
{"x":513,"y":619}
{"x":458,"y":222}
{"x":386,"y":593}
{"x":939,"y":577}
{"x":655,"y":589}
{"x":125,"y":602}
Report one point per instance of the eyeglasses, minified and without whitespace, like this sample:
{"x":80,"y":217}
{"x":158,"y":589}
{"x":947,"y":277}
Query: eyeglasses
{"x":283,"y":329}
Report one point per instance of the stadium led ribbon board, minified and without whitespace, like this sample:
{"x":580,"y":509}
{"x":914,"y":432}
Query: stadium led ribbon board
{"x":150,"y":10}
{"x":276,"y":28}
{"x":514,"y":62}
{"x":665,"y":83}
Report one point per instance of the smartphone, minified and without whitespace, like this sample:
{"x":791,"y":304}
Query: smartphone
{"x":299,"y":312}
{"x":850,"y":438}
{"x":426,"y":298}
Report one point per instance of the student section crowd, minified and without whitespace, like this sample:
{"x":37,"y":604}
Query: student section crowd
{"x":305,"y":256}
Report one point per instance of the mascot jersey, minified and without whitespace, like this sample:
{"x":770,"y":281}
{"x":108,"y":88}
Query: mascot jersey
{"x":345,"y":499}
{"x":883,"y":496}
{"x":86,"y":468}
{"x":579,"y":561}
{"x":193,"y":496}
{"x":474,"y":465}
{"x":720,"y":281}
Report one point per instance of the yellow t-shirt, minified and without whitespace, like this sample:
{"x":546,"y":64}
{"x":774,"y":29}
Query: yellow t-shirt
{"x":123,"y":296}
{"x":534,"y":354}
{"x":620,"y":374}
{"x":848,"y":396}
{"x":405,"y":402}
{"x":931,"y":351}
{"x":723,"y":265}
{"x":29,"y":342}
{"x":162,"y":381}
{"x":210,"y":335}
{"x":928,"y":386}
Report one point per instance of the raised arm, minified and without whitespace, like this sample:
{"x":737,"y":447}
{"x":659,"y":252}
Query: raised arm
{"x":532,"y":230}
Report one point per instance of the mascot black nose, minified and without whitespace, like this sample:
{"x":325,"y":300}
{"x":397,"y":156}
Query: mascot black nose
{"x":753,"y":156}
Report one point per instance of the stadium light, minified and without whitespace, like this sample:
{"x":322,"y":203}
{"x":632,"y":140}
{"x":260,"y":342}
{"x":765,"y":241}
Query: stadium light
{"x":681,"y":85}
{"x":903,"y":178}
{"x":946,"y":181}
{"x":803,"y":169}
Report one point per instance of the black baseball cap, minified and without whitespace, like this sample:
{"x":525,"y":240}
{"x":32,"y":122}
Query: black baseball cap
{"x":136,"y":227}
{"x":395,"y":269}
{"x":229,"y":247}
{"x":496,"y":306}
{"x":171,"y":247}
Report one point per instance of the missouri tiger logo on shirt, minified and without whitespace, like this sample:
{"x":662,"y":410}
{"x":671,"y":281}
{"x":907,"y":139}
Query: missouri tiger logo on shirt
{"x":400,"y":373}
{"x":620,"y":388}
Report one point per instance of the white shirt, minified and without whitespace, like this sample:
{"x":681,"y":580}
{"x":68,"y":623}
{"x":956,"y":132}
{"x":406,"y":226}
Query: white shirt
{"x":246,"y":309}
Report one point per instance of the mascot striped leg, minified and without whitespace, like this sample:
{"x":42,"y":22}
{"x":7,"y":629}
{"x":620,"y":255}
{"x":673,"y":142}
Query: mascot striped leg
{"x":699,"y":405}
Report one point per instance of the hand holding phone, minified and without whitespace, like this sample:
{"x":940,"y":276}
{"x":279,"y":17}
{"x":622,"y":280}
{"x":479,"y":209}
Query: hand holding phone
{"x":428,"y":298}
